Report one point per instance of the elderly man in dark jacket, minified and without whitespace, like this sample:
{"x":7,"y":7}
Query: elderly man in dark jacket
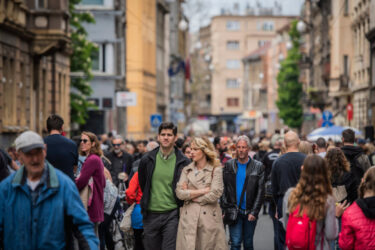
{"x":243,"y":189}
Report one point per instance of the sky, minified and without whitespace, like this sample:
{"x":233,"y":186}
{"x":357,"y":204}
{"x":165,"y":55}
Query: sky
{"x":199,"y":12}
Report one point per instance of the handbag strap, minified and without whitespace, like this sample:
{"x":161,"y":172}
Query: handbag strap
{"x":243,"y":192}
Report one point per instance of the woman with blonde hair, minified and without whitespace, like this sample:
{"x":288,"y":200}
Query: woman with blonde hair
{"x":92,"y":168}
{"x":305,"y":147}
{"x":313,"y":196}
{"x":200,"y":187}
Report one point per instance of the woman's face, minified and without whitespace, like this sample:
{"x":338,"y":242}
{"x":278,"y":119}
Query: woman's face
{"x":196,"y":153}
{"x":85,"y":144}
{"x":188,"y":153}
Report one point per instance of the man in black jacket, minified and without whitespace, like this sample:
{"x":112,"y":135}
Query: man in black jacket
{"x":243,"y":175}
{"x":359,"y":162}
{"x":158,"y":174}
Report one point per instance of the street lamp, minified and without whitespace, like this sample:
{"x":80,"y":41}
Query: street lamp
{"x":183,"y":25}
{"x":301,"y":26}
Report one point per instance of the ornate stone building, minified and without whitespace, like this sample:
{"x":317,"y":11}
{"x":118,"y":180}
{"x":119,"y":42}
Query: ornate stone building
{"x":34,"y":65}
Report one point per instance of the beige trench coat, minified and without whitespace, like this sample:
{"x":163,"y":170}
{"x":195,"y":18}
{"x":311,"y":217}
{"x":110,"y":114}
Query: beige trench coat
{"x":201,"y":224}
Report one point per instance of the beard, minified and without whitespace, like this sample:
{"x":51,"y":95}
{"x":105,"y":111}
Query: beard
{"x":223,"y":150}
{"x":117,"y":150}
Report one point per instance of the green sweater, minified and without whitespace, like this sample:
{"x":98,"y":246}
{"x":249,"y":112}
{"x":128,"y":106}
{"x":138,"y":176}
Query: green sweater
{"x":162,"y":197}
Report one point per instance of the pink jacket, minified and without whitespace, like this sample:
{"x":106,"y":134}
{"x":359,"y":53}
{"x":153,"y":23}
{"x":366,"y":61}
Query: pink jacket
{"x":357,"y":230}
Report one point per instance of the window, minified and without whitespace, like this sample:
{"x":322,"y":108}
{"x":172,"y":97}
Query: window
{"x":268,"y":26}
{"x":346,"y":7}
{"x":261,"y":43}
{"x":373,"y":68}
{"x":208,"y":98}
{"x":232,"y":102}
{"x":233,"y":84}
{"x":233,"y":45}
{"x":233,"y":25}
{"x":98,"y":59}
{"x":41,"y":4}
{"x":346,"y":65}
{"x":233,"y":64}
{"x":92,"y":2}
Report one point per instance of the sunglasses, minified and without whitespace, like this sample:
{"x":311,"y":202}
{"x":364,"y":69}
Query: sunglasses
{"x":117,"y":145}
{"x":83,"y":140}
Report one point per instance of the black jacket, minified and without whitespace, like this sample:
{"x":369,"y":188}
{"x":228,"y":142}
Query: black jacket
{"x":254,"y":189}
{"x":118,"y":165}
{"x":146,"y":170}
{"x":359,"y":162}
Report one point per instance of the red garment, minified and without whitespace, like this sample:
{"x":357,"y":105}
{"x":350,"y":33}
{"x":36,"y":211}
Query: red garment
{"x":357,"y":231}
{"x":134,"y":192}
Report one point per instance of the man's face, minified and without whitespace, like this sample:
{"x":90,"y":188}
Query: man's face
{"x":166,"y":138}
{"x":242,"y":150}
{"x":117,"y":143}
{"x":223,"y":145}
{"x":33,"y":161}
{"x":141,"y":148}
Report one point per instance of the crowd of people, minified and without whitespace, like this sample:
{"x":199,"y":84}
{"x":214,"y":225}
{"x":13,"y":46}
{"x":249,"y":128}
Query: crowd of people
{"x":185,"y":192}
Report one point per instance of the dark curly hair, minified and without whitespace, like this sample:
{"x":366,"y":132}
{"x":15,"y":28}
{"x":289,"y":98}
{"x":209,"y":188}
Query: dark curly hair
{"x":337,"y":163}
{"x":312,"y":189}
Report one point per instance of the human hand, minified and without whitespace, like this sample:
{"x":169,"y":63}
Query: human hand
{"x":276,"y":216}
{"x":184,"y":186}
{"x":340,"y":208}
{"x":206,"y":190}
{"x":251,"y":217}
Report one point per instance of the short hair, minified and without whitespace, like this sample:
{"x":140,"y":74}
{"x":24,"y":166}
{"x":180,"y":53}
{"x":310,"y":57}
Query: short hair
{"x":217,"y":140}
{"x":144,"y":142}
{"x":118,"y":137}
{"x":179,"y":142}
{"x":54,"y":122}
{"x":348,"y":135}
{"x":321,"y":142}
{"x":168,"y":125}
{"x":151,"y":145}
{"x":243,"y":138}
{"x":185,"y":146}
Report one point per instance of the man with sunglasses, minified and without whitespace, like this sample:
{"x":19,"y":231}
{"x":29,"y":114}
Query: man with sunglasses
{"x":121,"y":161}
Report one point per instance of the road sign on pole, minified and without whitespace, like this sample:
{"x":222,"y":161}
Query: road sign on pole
{"x":155,"y":120}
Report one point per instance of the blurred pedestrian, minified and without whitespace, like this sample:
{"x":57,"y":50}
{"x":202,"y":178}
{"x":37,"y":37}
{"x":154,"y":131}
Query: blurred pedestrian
{"x":121,"y":162}
{"x":92,"y":168}
{"x":62,"y":152}
{"x":243,"y":192}
{"x":158,"y":173}
{"x":186,"y":150}
{"x":358,"y":221}
{"x":285,"y":173}
{"x":313,"y":196}
{"x":321,"y":147}
{"x":305,"y":147}
{"x":221,"y":148}
{"x":200,"y":187}
{"x":37,"y":200}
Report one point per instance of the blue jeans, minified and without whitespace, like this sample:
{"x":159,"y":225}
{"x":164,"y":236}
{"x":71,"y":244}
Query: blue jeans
{"x":243,"y":230}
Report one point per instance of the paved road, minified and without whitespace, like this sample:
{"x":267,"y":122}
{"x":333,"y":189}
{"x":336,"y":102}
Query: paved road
{"x":263,"y":238}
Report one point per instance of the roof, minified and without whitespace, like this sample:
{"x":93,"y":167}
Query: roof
{"x":253,"y":16}
{"x":258,"y":52}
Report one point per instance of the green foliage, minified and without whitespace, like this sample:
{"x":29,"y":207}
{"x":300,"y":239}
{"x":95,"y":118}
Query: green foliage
{"x":80,"y":63}
{"x":290,"y":90}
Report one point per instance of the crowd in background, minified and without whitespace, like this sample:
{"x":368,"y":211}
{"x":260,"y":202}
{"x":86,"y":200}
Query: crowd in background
{"x":185,"y":191}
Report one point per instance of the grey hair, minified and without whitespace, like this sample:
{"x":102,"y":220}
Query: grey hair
{"x":151,"y":146}
{"x":243,"y":138}
{"x":118,"y":137}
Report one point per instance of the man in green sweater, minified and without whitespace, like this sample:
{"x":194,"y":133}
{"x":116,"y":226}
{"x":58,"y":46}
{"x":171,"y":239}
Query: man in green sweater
{"x":158,"y":173}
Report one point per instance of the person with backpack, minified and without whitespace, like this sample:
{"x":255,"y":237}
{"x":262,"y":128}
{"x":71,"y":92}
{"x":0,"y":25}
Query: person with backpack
{"x":309,"y":209}
{"x":358,"y":221}
{"x":359,"y":162}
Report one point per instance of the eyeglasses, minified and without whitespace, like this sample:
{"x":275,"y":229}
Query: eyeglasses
{"x":117,"y":145}
{"x":83,"y":140}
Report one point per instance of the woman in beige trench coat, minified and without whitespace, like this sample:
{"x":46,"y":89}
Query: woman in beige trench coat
{"x":200,"y":186}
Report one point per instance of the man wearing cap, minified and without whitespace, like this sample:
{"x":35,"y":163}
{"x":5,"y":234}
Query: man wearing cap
{"x":38,"y":201}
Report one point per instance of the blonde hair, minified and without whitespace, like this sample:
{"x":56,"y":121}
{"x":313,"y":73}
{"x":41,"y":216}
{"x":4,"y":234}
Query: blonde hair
{"x":368,"y":182}
{"x":305,"y":147}
{"x":208,"y":149}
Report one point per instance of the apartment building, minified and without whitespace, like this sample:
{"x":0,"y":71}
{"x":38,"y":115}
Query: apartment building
{"x":232,"y":38}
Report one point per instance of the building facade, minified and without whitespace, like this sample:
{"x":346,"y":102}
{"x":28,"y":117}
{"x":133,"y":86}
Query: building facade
{"x":34,"y":65}
{"x":371,"y":38}
{"x":108,"y":64}
{"x":232,"y":38}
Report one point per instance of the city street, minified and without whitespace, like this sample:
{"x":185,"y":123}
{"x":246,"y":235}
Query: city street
{"x":263,"y":238}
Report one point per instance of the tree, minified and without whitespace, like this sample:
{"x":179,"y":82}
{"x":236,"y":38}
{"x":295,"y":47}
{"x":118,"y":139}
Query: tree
{"x":80,"y":64}
{"x":289,"y":88}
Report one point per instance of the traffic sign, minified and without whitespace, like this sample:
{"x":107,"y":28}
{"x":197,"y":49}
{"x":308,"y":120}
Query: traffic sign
{"x":327,"y":124}
{"x":327,"y":115}
{"x":155,"y":120}
{"x":126,"y":99}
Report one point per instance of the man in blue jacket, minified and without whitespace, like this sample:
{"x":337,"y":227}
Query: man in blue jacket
{"x":37,"y":202}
